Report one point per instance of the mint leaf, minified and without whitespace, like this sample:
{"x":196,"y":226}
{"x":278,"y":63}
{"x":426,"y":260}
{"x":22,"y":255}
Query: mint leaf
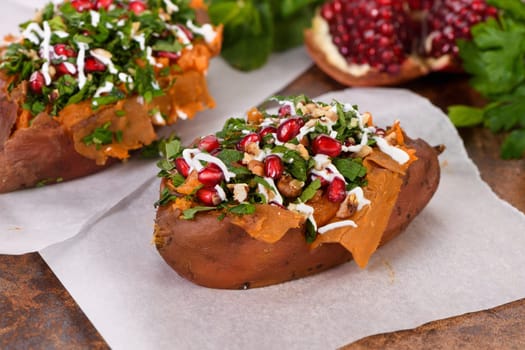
{"x":229,"y":156}
{"x":242,"y":209}
{"x":100,"y":136}
{"x":248,"y":31}
{"x":350,"y":168}
{"x":514,"y":145}
{"x":172,"y":149}
{"x":514,"y":8}
{"x":296,"y":165}
{"x":189,"y":214}
{"x":506,"y":116}
{"x":310,"y":190}
{"x":463,"y":116}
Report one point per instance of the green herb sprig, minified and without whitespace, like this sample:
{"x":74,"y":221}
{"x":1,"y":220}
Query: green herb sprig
{"x":495,"y":58}
{"x":254,"y":29}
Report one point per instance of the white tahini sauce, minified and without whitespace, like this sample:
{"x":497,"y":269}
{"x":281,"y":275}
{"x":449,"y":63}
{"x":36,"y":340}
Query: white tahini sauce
{"x":334,"y":225}
{"x":395,"y":153}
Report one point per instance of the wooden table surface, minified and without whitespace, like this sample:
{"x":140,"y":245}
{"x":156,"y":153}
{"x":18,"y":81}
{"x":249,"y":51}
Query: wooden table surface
{"x":37,"y":312}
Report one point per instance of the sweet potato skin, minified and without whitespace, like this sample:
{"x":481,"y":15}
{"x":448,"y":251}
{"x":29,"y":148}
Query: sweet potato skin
{"x":41,"y":154}
{"x":217,"y":254}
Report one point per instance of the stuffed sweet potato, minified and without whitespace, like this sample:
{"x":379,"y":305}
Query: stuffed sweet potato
{"x":277,"y":197}
{"x":90,"y":81}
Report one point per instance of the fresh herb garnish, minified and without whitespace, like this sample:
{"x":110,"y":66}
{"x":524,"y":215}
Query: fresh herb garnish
{"x":253,"y":29}
{"x":189,"y":214}
{"x":100,"y":136}
{"x":310,"y":190}
{"x":129,"y":42}
{"x":495,"y":58}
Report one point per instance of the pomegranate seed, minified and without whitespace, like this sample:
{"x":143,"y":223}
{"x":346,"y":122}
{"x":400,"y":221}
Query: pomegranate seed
{"x":285,"y":111}
{"x":267,"y":131}
{"x":337,"y":190}
{"x":36,"y":82}
{"x":273,"y":166}
{"x":186,"y":31}
{"x":103,"y":4}
{"x":208,"y":196}
{"x":250,"y":138}
{"x":208,"y":143}
{"x":323,"y":144}
{"x":82,"y":5}
{"x":93,"y":65}
{"x":64,"y":50}
{"x":137,"y":7}
{"x":210,"y":176}
{"x":172,"y":56}
{"x":289,"y":129}
{"x":62,"y":69}
{"x":182,"y":166}
{"x":380,"y":132}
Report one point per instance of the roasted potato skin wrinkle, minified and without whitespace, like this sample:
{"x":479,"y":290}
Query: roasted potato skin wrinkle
{"x":217,"y":254}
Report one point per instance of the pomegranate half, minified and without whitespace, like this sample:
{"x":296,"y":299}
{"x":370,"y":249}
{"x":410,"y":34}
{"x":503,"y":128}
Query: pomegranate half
{"x":388,"y":42}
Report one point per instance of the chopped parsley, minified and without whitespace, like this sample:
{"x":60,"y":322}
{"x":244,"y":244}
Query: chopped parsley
{"x":102,"y":136}
{"x":249,"y":184}
{"x":68,"y":54}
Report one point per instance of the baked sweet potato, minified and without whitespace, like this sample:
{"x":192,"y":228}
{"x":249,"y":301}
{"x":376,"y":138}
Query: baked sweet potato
{"x":237,"y":241}
{"x":89,"y":82}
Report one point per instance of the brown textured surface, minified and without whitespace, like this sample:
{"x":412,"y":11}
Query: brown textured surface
{"x":498,"y":328}
{"x":37,"y":312}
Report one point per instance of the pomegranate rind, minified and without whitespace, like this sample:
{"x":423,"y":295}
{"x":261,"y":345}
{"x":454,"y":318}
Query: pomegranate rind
{"x":411,"y":68}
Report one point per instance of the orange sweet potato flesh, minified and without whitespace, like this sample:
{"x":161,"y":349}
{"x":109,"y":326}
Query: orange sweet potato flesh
{"x":220,"y":254}
{"x":49,"y":150}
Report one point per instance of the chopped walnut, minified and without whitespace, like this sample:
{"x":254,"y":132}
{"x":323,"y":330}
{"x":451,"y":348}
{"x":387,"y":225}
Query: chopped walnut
{"x":290,"y":187}
{"x":240,"y":192}
{"x":256,"y":167}
{"x":363,"y":152}
{"x":347,"y":208}
{"x":254,"y":116}
{"x":299,"y":148}
{"x":252,"y":148}
{"x":247,"y":158}
{"x":367,"y":118}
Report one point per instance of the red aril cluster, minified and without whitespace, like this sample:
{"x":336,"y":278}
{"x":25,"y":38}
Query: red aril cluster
{"x":376,"y":33}
{"x":452,"y":20}
{"x":393,"y":37}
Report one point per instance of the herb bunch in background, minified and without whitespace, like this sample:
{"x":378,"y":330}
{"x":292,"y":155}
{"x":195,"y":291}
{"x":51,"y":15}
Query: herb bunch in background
{"x":253,"y":29}
{"x":495,"y":58}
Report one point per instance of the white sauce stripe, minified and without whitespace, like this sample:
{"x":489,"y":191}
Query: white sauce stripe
{"x":306,"y":210}
{"x":45,"y":49}
{"x":360,"y":197}
{"x":82,"y":48}
{"x":171,"y":7}
{"x":194,"y":156}
{"x":206,"y":31}
{"x":395,"y":153}
{"x":95,"y":18}
{"x":105,"y":57}
{"x":344,"y":223}
{"x":33,"y":33}
{"x":277,"y":195}
{"x":104,"y":89}
{"x":220,"y":192}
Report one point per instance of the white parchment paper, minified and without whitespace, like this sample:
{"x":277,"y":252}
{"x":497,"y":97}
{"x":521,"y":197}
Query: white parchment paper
{"x":462,"y":253}
{"x":31,"y":220}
